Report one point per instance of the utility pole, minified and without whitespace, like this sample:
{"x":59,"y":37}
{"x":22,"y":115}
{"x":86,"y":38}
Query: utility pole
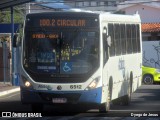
{"x":14,"y":67}
{"x":4,"y":61}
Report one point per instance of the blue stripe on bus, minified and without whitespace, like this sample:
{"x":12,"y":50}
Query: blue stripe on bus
{"x":91,"y":96}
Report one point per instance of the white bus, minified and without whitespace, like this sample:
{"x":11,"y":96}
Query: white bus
{"x":80,"y":58}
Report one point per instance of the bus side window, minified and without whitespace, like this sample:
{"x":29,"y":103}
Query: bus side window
{"x":105,"y":46}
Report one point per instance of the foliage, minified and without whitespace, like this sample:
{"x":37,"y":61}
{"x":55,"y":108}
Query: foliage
{"x":5,"y":15}
{"x":18,"y":13}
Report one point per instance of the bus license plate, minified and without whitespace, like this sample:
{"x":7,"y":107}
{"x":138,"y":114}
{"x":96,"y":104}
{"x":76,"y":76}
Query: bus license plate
{"x":59,"y":100}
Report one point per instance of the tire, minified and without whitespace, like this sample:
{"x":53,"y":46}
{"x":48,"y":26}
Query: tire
{"x":37,"y":107}
{"x":105,"y":107}
{"x":126,"y":100}
{"x":148,"y":79}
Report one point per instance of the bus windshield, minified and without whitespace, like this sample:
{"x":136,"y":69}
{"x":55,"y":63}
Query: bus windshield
{"x":63,"y":51}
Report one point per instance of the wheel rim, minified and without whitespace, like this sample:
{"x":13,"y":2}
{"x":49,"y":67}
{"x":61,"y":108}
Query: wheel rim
{"x":147,"y":80}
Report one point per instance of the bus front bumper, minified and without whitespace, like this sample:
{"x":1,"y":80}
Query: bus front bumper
{"x":71,"y":97}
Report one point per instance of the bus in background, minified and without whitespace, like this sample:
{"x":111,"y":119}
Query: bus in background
{"x":80,"y":58}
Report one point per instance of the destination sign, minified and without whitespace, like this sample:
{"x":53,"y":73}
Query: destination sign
{"x":40,"y":36}
{"x":62,"y":22}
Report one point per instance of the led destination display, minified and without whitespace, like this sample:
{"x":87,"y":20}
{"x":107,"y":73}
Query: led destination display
{"x":57,"y":22}
{"x":62,"y":22}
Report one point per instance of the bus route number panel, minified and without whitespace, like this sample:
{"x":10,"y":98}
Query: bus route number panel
{"x":62,"y":22}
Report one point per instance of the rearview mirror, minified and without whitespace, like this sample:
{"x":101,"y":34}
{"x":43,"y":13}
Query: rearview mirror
{"x":109,"y":40}
{"x":106,"y":37}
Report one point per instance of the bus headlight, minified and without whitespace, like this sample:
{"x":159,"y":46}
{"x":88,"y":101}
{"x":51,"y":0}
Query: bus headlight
{"x":26,"y":83}
{"x":93,"y":84}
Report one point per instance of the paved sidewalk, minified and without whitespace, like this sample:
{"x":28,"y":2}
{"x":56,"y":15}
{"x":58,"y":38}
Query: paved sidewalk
{"x":7,"y":88}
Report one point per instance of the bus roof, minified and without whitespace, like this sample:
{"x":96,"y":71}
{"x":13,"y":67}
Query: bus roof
{"x":120,"y":18}
{"x":64,"y":13}
{"x":104,"y":16}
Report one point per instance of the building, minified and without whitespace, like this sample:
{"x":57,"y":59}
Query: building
{"x":33,"y":7}
{"x":149,"y":11}
{"x":151,"y":31}
{"x":150,"y":16}
{"x":94,"y":5}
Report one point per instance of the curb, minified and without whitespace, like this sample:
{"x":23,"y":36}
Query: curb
{"x":9,"y":91}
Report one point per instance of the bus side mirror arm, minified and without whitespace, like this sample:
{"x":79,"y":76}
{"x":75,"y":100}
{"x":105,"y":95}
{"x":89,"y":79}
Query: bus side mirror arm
{"x":106,"y":37}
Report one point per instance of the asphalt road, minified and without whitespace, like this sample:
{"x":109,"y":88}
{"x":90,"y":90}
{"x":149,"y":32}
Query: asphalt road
{"x":145,"y":101}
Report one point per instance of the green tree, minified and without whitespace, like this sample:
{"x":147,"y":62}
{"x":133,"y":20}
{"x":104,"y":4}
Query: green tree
{"x":19,"y":13}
